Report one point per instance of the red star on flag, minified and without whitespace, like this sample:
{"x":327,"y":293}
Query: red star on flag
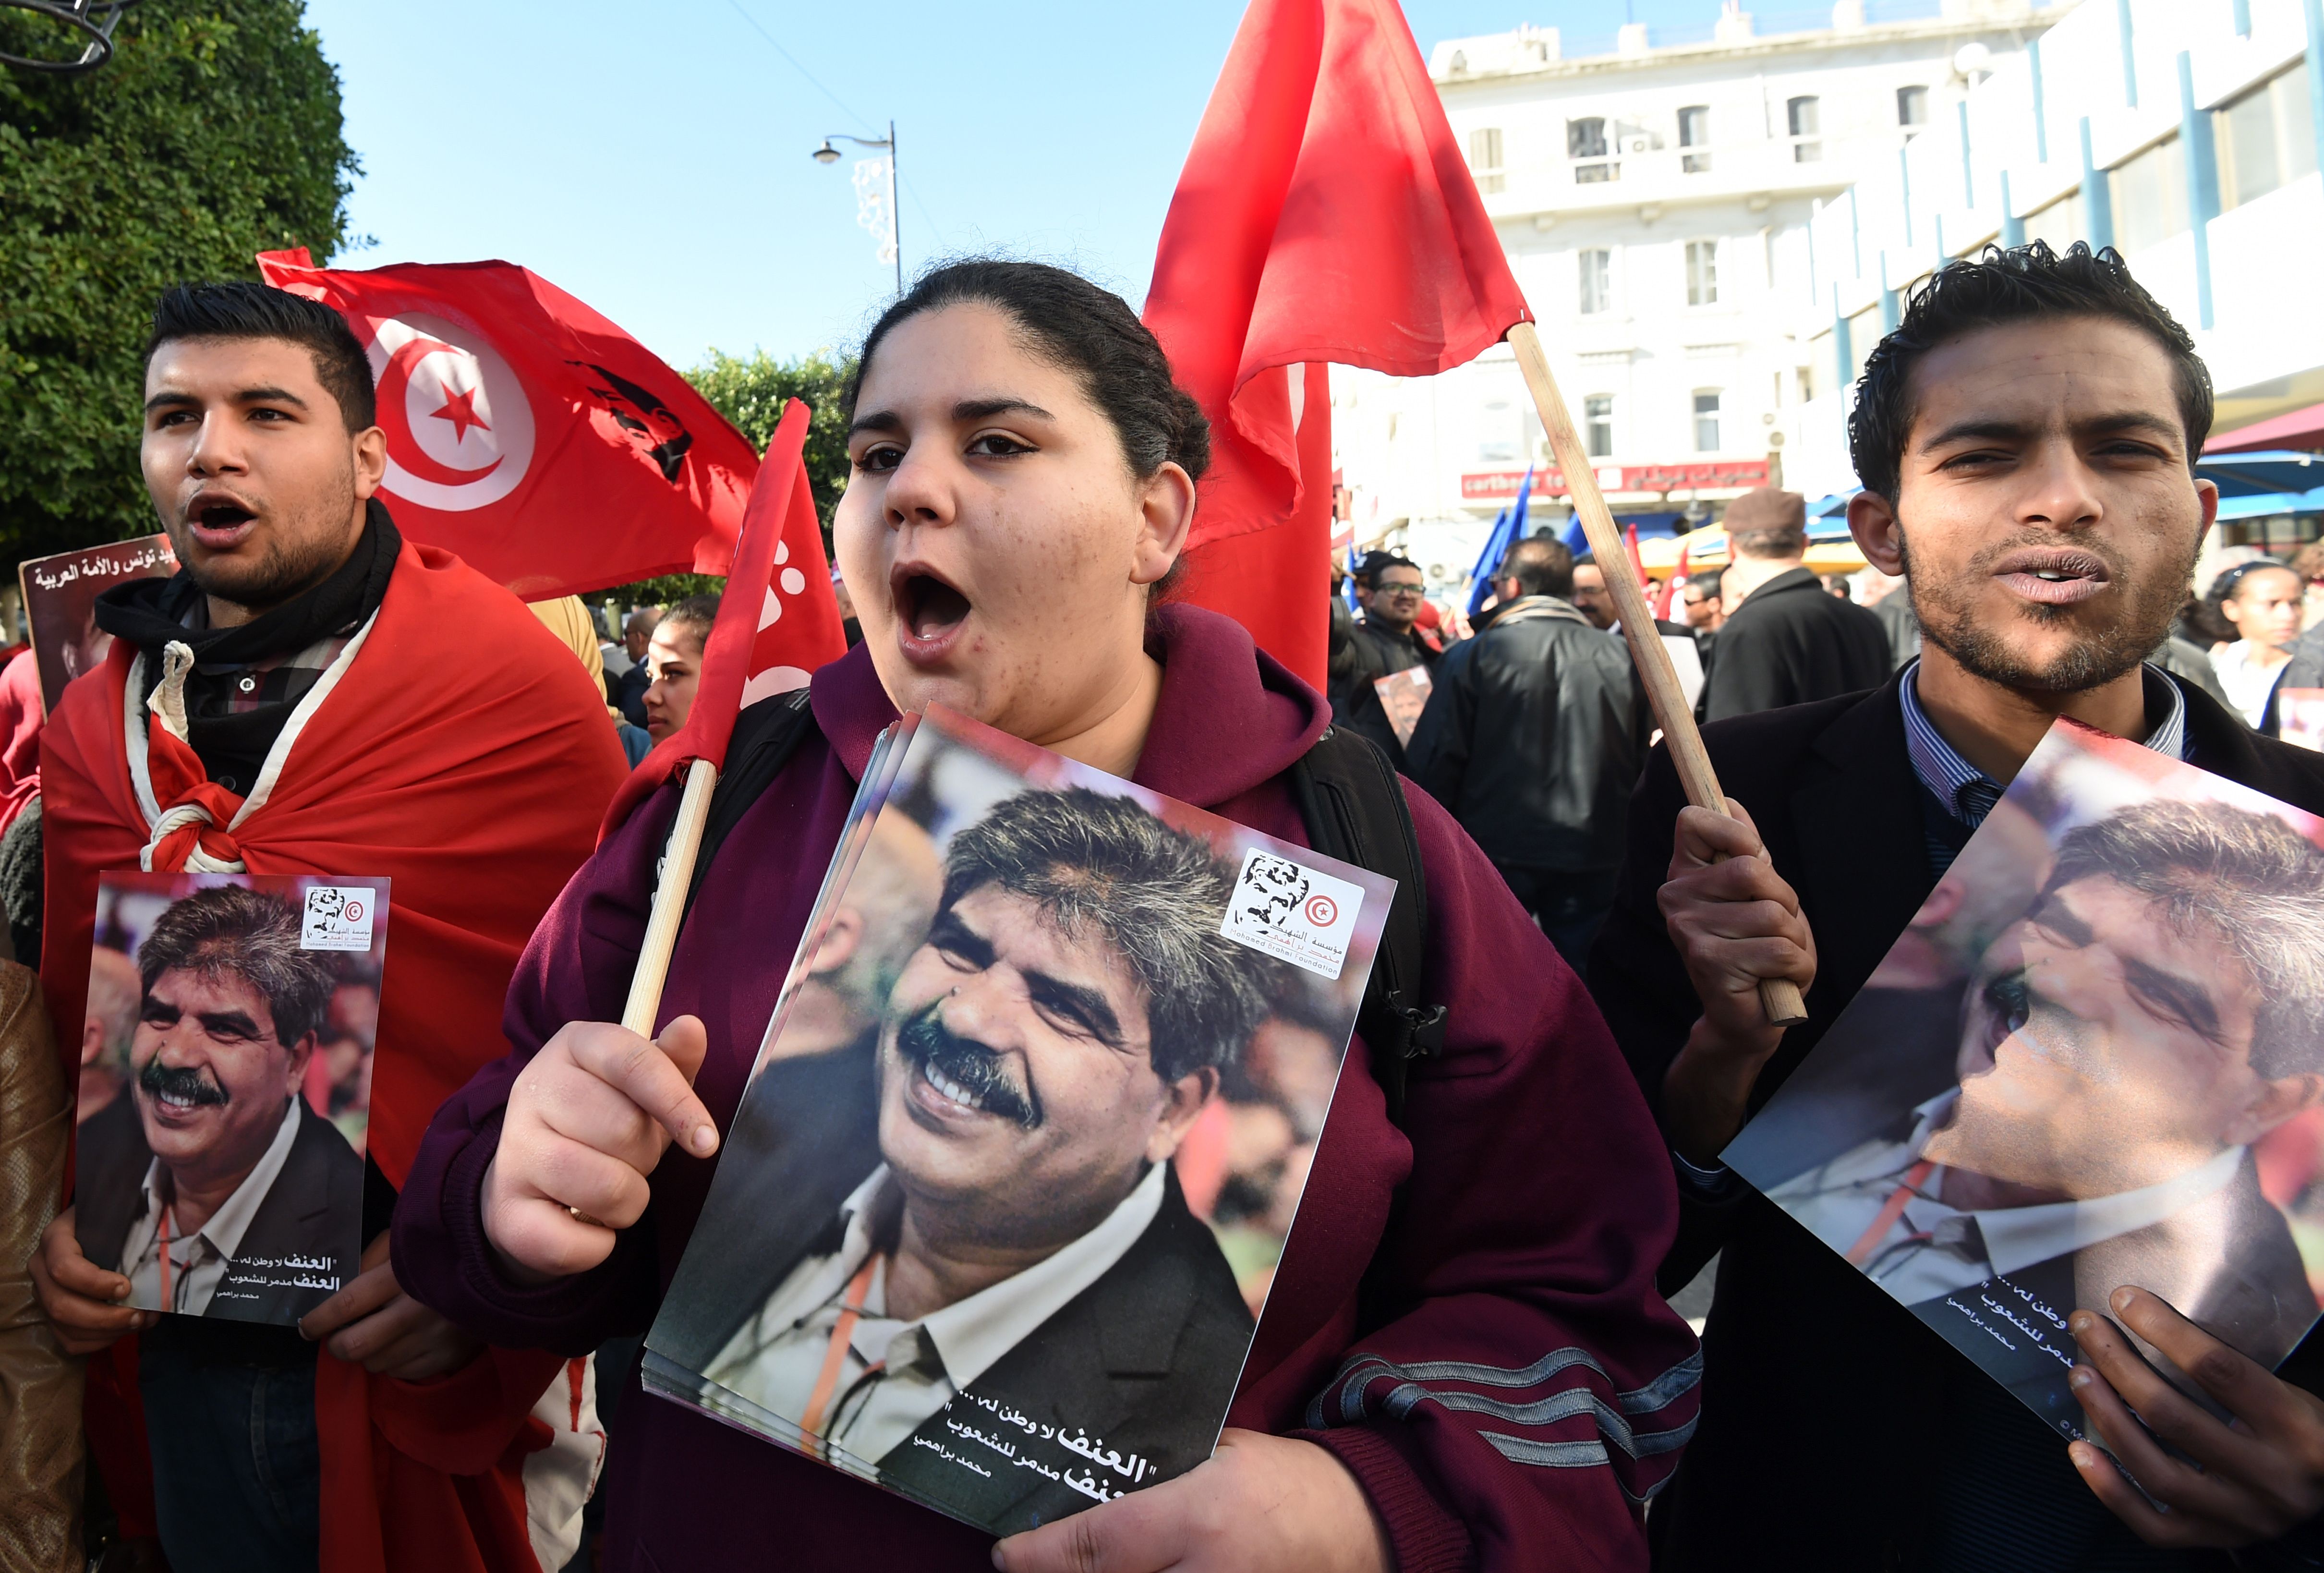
{"x":460,"y":409}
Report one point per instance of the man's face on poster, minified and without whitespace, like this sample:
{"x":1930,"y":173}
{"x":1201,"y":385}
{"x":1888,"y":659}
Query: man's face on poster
{"x":211,"y":1076}
{"x":1016,"y":1072}
{"x":2105,"y":1048}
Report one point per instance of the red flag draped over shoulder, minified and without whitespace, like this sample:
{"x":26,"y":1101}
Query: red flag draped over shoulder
{"x":765,"y":641}
{"x":460,"y":751}
{"x":546,"y":446}
{"x":1325,"y":213}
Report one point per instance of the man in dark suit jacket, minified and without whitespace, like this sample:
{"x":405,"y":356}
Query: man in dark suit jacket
{"x":311,"y":1213}
{"x":2027,"y":436}
{"x":210,"y":1184}
{"x":1786,"y":639}
{"x":996,"y":1299}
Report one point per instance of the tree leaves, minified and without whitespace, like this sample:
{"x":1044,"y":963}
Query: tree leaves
{"x":214,"y":132}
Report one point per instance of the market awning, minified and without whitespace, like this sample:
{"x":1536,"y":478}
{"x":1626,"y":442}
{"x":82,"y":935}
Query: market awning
{"x":2302,"y":428}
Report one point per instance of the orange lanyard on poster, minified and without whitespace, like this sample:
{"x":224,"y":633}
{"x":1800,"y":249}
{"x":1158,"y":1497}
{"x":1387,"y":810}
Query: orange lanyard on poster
{"x":851,"y":1310}
{"x":167,"y":1303}
{"x":1890,"y":1211}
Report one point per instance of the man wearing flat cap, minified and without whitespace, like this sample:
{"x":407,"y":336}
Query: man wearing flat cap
{"x":1786,"y":640}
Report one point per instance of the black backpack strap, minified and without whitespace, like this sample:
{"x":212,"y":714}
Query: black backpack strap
{"x":766,"y":735}
{"x":1353,"y":807}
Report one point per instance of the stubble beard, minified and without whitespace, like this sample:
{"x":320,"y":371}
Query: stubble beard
{"x":1947,"y":620}
{"x":291,"y":562}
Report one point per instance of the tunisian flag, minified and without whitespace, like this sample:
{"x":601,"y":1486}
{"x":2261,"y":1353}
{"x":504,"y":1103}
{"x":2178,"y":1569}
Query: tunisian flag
{"x":474,"y":784}
{"x":778,"y":619}
{"x":1325,"y":213}
{"x":546,"y":446}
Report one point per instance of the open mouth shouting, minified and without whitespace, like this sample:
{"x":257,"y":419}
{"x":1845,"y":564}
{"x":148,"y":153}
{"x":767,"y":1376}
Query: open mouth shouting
{"x":930,"y":612}
{"x":2054,"y":575}
{"x":218,"y":519}
{"x":179,"y":1091}
{"x":956,"y":1079}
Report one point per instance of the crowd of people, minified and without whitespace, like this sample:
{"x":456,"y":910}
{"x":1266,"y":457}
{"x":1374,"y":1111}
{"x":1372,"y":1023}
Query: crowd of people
{"x":1465,"y":1358}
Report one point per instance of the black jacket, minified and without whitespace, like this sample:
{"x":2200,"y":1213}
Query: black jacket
{"x":1146,"y":1358}
{"x":1534,"y":737}
{"x":1782,"y":1473}
{"x":1790,"y":642}
{"x":1373,"y":653}
{"x":315,"y":1208}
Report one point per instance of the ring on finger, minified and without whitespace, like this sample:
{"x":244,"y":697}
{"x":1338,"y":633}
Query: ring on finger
{"x":581,"y":1217}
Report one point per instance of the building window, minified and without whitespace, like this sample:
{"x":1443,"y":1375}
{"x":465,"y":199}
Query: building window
{"x":1694,"y":133}
{"x":2265,"y":139}
{"x":1912,"y":107}
{"x":1805,"y":376}
{"x":2058,"y":225}
{"x":1806,"y":121}
{"x":1586,"y":144}
{"x":2149,"y":195}
{"x":1702,"y":272}
{"x":1706,"y":422}
{"x":1598,"y":425}
{"x":1597,"y":280}
{"x":1485,"y":157}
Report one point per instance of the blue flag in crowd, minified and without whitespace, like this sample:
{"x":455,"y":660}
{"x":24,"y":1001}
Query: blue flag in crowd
{"x":1508,"y":526}
{"x":1348,"y":584}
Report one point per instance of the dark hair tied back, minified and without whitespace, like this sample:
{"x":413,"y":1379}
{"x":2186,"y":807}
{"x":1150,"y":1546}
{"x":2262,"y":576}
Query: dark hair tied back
{"x":1086,"y":330}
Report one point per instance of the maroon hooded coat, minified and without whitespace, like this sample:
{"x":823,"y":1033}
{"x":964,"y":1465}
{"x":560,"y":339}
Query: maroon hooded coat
{"x":1509,"y":1391}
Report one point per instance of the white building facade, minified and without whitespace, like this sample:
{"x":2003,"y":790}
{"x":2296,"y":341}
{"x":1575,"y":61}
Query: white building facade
{"x":1656,"y":199}
{"x":2185,"y":133}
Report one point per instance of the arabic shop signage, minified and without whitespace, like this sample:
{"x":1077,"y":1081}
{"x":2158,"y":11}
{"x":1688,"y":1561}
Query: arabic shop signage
{"x":1501,"y":485}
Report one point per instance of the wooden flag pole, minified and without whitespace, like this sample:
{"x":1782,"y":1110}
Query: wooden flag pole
{"x":1779,"y":996}
{"x":669,"y":898}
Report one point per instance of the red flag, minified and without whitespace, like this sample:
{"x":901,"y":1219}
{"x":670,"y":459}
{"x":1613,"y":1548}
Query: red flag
{"x":778,"y":619}
{"x":529,"y":434}
{"x":1638,"y":563}
{"x":1671,"y":585}
{"x":1325,"y":213}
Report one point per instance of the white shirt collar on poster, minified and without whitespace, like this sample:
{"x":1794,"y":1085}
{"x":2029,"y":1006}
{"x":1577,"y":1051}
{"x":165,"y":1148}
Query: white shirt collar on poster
{"x":197,"y":1261}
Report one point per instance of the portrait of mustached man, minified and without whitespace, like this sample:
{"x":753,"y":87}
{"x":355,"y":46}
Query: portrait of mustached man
{"x":1015,"y":1231}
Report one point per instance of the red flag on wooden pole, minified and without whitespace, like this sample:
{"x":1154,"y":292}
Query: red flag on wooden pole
{"x":1325,"y":213}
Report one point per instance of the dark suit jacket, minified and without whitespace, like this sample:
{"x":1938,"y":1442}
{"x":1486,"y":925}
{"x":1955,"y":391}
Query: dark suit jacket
{"x":313,"y":1208}
{"x":1790,"y":642}
{"x":1145,"y":1359}
{"x":1781,"y":1473}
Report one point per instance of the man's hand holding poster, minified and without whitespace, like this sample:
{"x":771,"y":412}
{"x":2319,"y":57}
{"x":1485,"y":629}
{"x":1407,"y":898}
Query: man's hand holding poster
{"x":2094,"y":1060}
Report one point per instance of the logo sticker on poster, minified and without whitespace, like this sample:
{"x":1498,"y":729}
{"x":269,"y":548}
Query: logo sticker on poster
{"x":338,"y":918}
{"x":1293,"y":913}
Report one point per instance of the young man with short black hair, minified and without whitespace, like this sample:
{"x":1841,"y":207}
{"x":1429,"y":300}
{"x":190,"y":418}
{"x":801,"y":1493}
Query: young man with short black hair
{"x":260,"y":709}
{"x":2026,"y":439}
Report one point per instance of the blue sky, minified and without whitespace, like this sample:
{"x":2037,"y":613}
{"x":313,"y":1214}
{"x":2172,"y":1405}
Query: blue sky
{"x":652,"y":159}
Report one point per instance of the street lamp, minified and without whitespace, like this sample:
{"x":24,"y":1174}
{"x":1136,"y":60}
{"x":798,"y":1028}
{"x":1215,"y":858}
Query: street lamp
{"x":868,"y":200}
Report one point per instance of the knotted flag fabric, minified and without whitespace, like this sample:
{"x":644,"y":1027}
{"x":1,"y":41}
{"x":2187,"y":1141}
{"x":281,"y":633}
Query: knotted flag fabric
{"x":525,"y":432}
{"x":778,"y":619}
{"x":1325,"y":213}
{"x":476,"y":791}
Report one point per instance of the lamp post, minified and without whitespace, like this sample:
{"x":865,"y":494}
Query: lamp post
{"x":866,"y":205}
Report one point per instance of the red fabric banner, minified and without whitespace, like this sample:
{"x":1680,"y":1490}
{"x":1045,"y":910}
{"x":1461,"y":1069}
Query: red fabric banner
{"x":1325,"y":213}
{"x":546,"y":446}
{"x":778,"y":619}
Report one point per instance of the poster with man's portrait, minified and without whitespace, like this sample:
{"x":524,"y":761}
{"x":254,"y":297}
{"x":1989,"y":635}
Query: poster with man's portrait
{"x":225,"y":1090}
{"x":60,"y":596}
{"x":2095,"y":1058}
{"x":1001,"y":1206}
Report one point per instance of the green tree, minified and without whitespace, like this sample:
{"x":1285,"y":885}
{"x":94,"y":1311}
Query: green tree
{"x":751,"y":393}
{"x":213,"y":133}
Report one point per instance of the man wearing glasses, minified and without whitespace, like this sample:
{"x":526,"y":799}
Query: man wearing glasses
{"x":1385,"y":643}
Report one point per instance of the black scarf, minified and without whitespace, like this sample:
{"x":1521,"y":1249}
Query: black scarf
{"x":150,"y":613}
